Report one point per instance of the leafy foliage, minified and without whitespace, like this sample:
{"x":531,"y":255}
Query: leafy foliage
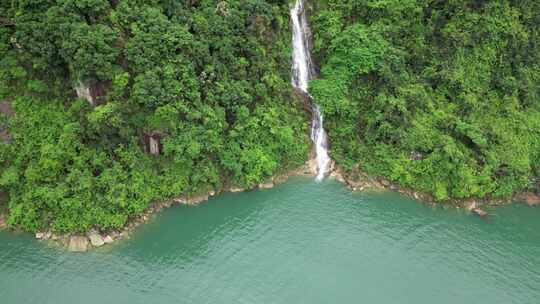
{"x":439,"y":96}
{"x":211,"y":79}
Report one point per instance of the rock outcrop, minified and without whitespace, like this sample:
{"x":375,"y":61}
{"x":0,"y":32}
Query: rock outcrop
{"x":236,"y":189}
{"x":108,"y":239}
{"x":43,"y":235}
{"x":95,"y":239}
{"x":83,"y":92}
{"x":480,"y":212}
{"x":267,"y":185}
{"x":92,"y":91}
{"x":197,"y":199}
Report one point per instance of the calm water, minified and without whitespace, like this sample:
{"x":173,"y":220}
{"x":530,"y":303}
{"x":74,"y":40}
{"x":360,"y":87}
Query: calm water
{"x":299,"y":243}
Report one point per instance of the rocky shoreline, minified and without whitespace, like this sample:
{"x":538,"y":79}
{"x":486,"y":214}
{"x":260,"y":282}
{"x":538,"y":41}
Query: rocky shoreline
{"x":360,"y":181}
{"x":356,"y":181}
{"x":96,"y":239}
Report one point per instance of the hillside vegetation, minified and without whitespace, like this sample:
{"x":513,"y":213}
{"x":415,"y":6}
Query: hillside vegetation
{"x":440,"y":96}
{"x":207,"y":81}
{"x":107,"y":106}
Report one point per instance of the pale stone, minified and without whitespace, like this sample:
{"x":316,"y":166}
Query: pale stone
{"x":236,"y":190}
{"x":83,"y":92}
{"x":338,"y":176}
{"x":268,"y":185}
{"x":78,"y":243}
{"x":480,"y":212}
{"x":115,"y":234}
{"x":43,"y":235}
{"x":95,"y":239}
{"x":197,"y":199}
{"x":154,"y":146}
{"x":108,"y":239}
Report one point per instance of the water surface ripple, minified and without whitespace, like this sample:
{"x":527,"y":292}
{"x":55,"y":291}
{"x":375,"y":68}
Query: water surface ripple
{"x":302,"y":242}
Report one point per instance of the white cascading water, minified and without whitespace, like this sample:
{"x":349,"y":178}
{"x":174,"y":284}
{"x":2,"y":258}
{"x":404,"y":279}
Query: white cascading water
{"x":302,"y":72}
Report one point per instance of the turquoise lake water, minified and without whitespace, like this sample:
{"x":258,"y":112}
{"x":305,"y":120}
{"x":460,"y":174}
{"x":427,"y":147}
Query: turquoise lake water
{"x":302,"y":242}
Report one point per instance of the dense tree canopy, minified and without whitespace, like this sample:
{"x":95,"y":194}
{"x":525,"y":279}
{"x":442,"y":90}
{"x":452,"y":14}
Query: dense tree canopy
{"x":441,"y":96}
{"x":115,"y":104}
{"x":208,"y":79}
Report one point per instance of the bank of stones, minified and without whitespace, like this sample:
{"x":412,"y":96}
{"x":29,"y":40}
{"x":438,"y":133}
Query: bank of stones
{"x":95,"y":238}
{"x":360,"y":181}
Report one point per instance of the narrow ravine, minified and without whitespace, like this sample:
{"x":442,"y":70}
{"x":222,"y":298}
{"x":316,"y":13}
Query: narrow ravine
{"x":302,"y":72}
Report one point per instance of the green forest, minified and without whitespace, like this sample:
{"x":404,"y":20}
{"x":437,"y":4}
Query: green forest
{"x":210,"y":80}
{"x":111,"y":105}
{"x":439,"y":96}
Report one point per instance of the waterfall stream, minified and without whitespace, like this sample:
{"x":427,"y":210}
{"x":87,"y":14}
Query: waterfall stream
{"x":302,"y":72}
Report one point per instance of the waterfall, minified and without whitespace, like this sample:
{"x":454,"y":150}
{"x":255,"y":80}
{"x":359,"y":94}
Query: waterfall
{"x":302,"y":72}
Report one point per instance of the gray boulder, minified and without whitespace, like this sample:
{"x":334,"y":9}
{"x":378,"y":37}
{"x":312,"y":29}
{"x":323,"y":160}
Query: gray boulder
{"x":108,"y":239}
{"x":95,"y":239}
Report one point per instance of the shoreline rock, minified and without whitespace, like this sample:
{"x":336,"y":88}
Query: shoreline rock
{"x":267,"y":185}
{"x":195,"y":200}
{"x":95,"y":238}
{"x":360,"y":181}
{"x":480,"y":212}
{"x":78,"y":243}
{"x":236,"y":190}
{"x":108,"y":239}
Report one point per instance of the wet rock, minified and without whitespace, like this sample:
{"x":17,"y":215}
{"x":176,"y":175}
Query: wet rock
{"x":83,"y":92}
{"x":95,"y":239}
{"x":236,"y":190}
{"x":78,"y":243}
{"x":197,"y":199}
{"x":338,"y":176}
{"x":108,"y":239}
{"x":481,"y":213}
{"x":311,"y":168}
{"x":268,"y":185}
{"x":43,"y":235}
